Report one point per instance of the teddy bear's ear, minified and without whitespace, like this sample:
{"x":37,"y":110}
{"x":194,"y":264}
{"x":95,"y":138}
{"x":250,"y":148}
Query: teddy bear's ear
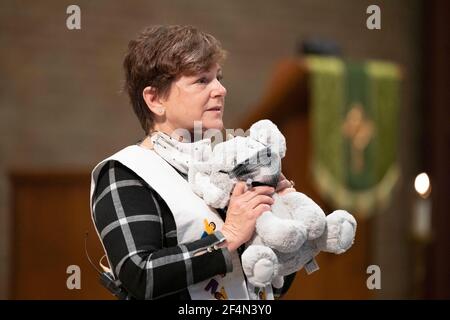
{"x":267,"y":133}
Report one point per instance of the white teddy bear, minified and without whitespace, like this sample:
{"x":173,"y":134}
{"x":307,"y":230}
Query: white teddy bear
{"x":288,"y":237}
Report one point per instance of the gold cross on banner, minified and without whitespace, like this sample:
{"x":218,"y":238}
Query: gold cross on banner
{"x":360,"y":131}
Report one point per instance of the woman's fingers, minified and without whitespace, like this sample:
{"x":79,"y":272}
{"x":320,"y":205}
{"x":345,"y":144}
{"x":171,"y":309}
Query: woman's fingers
{"x":239,"y":189}
{"x":258,"y":200}
{"x":283,"y":184}
{"x":286,"y":191}
{"x":262,"y":190}
{"x":260,"y":209}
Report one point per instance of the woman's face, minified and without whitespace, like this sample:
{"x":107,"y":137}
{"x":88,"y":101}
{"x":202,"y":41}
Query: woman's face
{"x":199,"y":97}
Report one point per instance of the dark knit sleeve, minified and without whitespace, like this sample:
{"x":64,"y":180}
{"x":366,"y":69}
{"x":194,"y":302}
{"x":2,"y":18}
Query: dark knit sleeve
{"x":138,"y":232}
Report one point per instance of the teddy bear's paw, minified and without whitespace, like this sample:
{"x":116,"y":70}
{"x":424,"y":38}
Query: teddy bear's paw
{"x":218,"y":193}
{"x":263,"y":271}
{"x":340,"y":232}
{"x":215,"y":189}
{"x":215,"y":197}
{"x":260,"y":265}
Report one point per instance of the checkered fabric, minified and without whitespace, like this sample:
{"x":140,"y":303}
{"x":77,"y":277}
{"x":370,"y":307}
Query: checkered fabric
{"x":139,"y":235}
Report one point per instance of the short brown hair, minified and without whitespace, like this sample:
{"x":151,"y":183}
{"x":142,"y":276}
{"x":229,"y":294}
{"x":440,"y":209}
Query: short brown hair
{"x":159,"y":55}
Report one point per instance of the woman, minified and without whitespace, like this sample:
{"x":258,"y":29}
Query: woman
{"x":161,"y":240}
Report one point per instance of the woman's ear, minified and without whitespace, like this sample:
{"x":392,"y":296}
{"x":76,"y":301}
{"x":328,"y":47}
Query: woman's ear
{"x":153,"y":101}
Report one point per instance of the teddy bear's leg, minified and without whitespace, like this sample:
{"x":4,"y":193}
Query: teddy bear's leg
{"x":284,"y":235}
{"x":260,"y":265}
{"x":306,"y":210}
{"x":294,"y":261}
{"x":339,"y":233}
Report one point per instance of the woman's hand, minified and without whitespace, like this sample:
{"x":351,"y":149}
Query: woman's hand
{"x":284,"y":186}
{"x":244,"y":208}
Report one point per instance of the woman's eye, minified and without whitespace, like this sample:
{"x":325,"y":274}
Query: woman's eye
{"x":206,"y":80}
{"x":202,"y":80}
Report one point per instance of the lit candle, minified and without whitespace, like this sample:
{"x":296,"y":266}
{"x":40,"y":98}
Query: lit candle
{"x":421,"y":224}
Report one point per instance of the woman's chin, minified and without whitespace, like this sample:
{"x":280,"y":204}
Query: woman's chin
{"x":215,"y":124}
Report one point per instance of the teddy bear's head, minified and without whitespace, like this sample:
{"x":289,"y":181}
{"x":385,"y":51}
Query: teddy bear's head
{"x":254,"y":159}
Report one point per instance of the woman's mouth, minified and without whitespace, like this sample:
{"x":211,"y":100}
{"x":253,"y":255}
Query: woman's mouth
{"x":215,"y":109}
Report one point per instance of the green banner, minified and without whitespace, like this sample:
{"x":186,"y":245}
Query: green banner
{"x":354,"y":115}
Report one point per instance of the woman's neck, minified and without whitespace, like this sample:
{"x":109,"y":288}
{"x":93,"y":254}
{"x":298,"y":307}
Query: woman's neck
{"x":146,"y":143}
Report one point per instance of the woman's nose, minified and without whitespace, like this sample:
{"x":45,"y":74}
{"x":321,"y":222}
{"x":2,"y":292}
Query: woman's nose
{"x":219,"y":89}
